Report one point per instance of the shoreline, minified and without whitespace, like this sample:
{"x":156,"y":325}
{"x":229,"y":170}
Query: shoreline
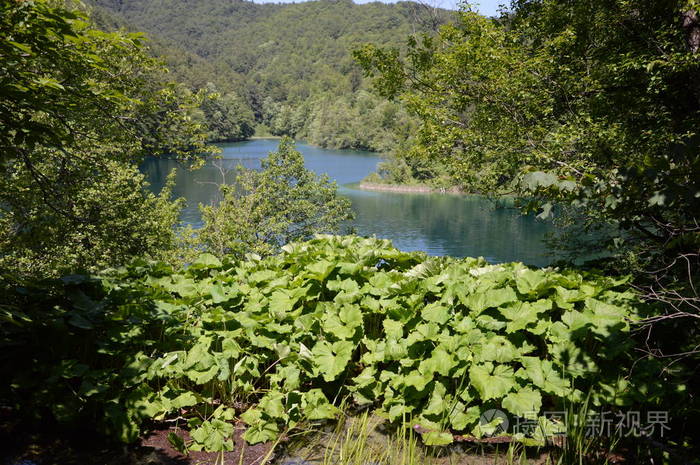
{"x":409,"y":189}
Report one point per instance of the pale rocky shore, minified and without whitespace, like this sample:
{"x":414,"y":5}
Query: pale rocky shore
{"x":409,"y":189}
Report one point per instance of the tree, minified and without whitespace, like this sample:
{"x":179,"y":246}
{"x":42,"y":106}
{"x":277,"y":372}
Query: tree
{"x":590,"y":105}
{"x":283,"y":202}
{"x":226,"y":116}
{"x":79,"y":109}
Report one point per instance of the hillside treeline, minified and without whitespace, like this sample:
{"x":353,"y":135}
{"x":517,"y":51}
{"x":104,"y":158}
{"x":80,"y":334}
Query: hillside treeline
{"x":285,"y":69}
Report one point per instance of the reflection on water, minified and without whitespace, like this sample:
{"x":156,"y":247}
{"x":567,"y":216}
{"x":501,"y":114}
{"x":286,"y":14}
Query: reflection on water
{"x":437,"y":224}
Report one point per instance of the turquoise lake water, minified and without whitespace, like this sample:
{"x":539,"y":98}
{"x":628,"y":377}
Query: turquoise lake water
{"x":438,"y":224}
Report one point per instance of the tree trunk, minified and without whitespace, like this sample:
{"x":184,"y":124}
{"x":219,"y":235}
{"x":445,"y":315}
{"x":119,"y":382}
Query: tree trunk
{"x":691,"y":24}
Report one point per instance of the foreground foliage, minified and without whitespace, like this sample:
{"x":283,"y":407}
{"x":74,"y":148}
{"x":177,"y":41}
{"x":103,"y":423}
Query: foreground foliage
{"x":79,"y":108}
{"x":280,"y":342}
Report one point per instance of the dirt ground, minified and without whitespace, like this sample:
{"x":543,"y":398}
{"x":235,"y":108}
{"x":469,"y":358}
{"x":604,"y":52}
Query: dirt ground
{"x":49,"y":444}
{"x":55,"y":447}
{"x":22,"y":445}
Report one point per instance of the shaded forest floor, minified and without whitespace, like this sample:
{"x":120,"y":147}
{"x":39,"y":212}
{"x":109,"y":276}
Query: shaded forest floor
{"x":51,"y":445}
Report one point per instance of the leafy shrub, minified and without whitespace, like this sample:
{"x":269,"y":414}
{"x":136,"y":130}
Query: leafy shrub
{"x":283,"y":340}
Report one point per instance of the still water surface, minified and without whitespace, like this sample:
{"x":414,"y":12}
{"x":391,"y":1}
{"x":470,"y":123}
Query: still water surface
{"x":437,"y":224}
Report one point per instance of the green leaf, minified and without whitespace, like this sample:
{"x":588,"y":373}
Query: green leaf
{"x":440,"y":362}
{"x":436,"y":313}
{"x":543,"y":374}
{"x":393,"y":329}
{"x":480,"y":301}
{"x":207,"y":260}
{"x":261,"y":431}
{"x":526,"y":401}
{"x":281,"y":303}
{"x":461,"y":417}
{"x":320,"y":269}
{"x":317,"y":406}
{"x":332,"y":359}
{"x":214,"y":436}
{"x":529,"y":282}
{"x":184,"y":286}
{"x":522,"y":314}
{"x":492,"y":382}
{"x":417,"y":380}
{"x":351,"y":315}
{"x":539,"y":179}
{"x":272,"y":404}
{"x":333,"y":325}
{"x":251,"y":416}
{"x":186,"y":399}
{"x":497,"y":349}
{"x":219,"y":294}
{"x":436,"y":438}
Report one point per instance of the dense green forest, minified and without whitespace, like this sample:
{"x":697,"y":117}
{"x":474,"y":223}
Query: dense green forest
{"x":262,"y":326}
{"x":290,"y":63}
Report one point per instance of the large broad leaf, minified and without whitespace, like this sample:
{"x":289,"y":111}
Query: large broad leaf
{"x":607,"y":318}
{"x":535,"y":180}
{"x":576,"y":322}
{"x":333,"y":325}
{"x":260,"y":427}
{"x":214,"y":436}
{"x":533,"y":282}
{"x":273,"y":405}
{"x":417,"y":380}
{"x":287,"y":376}
{"x":281,"y":303}
{"x":320,"y":269}
{"x":436,"y":313}
{"x":207,"y":260}
{"x":461,"y":417}
{"x":479,"y":301}
{"x":184,"y":286}
{"x":492,"y":382}
{"x":186,"y":399}
{"x":497,"y":349}
{"x":437,"y":438}
{"x":200,"y":365}
{"x":437,"y":407}
{"x":351,"y":315}
{"x":440,"y":362}
{"x":393,"y":329}
{"x":397,"y":350}
{"x":317,"y":407}
{"x":522,"y":314}
{"x":332,"y":359}
{"x":543,"y":374}
{"x":566,"y":298}
{"x":261,"y":431}
{"x":526,"y":401}
{"x":218,"y":293}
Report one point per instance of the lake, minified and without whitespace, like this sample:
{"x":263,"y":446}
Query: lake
{"x":439,"y":224}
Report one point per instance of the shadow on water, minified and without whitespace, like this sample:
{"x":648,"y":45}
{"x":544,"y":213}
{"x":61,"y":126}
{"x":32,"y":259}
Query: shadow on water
{"x":453,"y":225}
{"x":437,"y":224}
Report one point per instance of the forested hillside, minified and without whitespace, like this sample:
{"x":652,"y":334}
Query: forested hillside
{"x":292,"y":64}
